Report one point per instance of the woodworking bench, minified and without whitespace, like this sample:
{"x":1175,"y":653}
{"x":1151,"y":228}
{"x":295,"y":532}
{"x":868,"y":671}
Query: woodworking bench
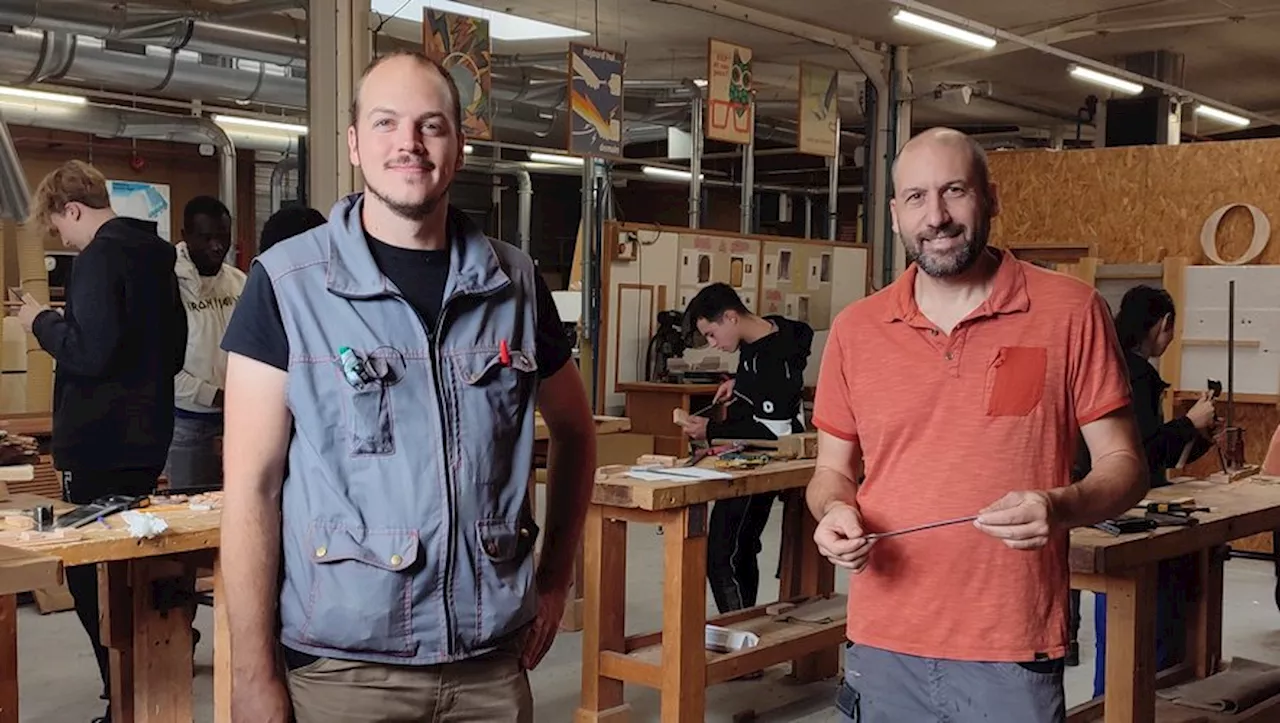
{"x":1124,"y":568}
{"x":147,"y":594}
{"x":675,"y":660}
{"x":649,"y":406}
{"x":606,"y":428}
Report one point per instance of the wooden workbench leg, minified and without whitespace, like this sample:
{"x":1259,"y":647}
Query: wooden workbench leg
{"x":1204,"y":632}
{"x":151,"y":665}
{"x":115,"y":607}
{"x":604,"y":628}
{"x":1131,"y":647}
{"x":813,"y":575}
{"x":8,"y":659}
{"x":571,"y":620}
{"x":684,"y":616}
{"x":221,"y":649}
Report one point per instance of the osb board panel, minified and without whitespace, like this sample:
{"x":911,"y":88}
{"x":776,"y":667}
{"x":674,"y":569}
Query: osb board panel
{"x":1137,"y":204}
{"x":1259,"y":422}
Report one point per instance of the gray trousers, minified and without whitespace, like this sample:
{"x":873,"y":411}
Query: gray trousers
{"x":194,"y":460}
{"x":884,"y":687}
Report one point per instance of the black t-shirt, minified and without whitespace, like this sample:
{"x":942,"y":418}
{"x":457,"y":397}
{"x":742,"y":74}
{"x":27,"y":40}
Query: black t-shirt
{"x":257,"y":331}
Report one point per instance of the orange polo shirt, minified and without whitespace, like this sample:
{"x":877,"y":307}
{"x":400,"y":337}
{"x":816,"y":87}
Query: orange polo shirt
{"x":949,"y":424}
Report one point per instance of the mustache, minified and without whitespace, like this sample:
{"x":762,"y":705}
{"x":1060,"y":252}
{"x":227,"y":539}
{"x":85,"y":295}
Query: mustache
{"x":947,"y":231}
{"x":412,"y":162}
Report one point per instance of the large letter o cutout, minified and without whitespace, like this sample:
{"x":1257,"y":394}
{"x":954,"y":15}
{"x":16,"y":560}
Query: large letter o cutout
{"x":1261,"y":235}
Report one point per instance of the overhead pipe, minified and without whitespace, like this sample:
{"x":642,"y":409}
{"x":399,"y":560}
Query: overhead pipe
{"x":833,"y":189}
{"x":696,"y":144}
{"x":15,"y":194}
{"x":278,"y":174}
{"x":113,"y":122}
{"x":748,"y":182}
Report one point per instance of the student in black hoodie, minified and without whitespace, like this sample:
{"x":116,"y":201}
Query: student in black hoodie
{"x":117,"y":343}
{"x":764,"y":401}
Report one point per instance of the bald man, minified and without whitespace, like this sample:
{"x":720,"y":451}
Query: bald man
{"x":962,"y":386}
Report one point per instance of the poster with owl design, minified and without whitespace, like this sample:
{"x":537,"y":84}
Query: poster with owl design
{"x":730,"y":98}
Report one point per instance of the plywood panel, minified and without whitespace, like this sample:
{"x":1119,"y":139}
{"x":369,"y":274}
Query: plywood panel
{"x":1137,"y":204}
{"x":1257,"y":328}
{"x":850,"y":275}
{"x":634,"y":318}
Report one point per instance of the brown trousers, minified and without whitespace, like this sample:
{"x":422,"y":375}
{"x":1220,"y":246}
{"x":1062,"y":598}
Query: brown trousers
{"x":490,"y":689}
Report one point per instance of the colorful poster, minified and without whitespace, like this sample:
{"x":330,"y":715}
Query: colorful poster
{"x":146,"y":201}
{"x":595,"y":101}
{"x":461,"y":44}
{"x":819,"y":112}
{"x":730,"y":107}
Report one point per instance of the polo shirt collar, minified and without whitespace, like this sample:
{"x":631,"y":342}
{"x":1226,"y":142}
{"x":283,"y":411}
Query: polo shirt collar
{"x":1008,"y":291}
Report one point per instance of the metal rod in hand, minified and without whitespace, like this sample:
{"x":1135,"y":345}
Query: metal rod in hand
{"x":1231,"y":351}
{"x":918,"y":528}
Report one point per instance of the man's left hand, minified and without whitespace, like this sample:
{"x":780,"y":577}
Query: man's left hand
{"x":29,"y":311}
{"x":1023,"y":520}
{"x":542,"y":631}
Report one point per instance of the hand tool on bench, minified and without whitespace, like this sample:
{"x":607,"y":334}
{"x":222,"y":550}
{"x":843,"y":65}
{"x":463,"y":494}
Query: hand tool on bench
{"x":703,"y":452}
{"x":918,"y":528}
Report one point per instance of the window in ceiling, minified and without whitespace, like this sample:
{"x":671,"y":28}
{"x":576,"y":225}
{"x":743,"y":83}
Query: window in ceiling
{"x":502,"y":26}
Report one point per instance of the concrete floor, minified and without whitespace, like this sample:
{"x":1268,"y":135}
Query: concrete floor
{"x":59,"y":680}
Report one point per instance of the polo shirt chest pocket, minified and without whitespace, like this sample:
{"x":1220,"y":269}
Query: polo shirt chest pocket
{"x":1016,"y":380}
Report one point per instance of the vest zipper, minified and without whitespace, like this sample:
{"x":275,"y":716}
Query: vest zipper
{"x":450,"y":506}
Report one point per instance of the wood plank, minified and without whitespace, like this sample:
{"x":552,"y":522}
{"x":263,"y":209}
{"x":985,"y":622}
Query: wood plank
{"x":817,"y":577}
{"x":1130,"y":271}
{"x":623,"y":491}
{"x":117,"y":635}
{"x":24,"y":571}
{"x":1131,"y":647}
{"x":163,"y":673}
{"x":684,"y":615}
{"x":1241,"y":343}
{"x":9,"y":658}
{"x":53,"y":599}
{"x":604,"y":611}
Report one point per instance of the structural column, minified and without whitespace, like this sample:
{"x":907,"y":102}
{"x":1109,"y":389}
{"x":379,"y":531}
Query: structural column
{"x":338,"y":50}
{"x":902,"y":133}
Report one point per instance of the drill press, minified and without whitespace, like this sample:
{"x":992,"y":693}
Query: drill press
{"x":1231,"y":445}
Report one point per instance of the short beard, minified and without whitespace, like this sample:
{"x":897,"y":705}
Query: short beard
{"x":409,"y":211}
{"x":957,"y":262}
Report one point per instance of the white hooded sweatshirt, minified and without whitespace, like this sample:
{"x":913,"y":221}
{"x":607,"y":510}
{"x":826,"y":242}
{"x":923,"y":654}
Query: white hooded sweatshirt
{"x":209,"y":301}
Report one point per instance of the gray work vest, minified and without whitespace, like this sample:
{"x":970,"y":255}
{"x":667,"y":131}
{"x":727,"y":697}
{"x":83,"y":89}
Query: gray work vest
{"x":406,"y":537}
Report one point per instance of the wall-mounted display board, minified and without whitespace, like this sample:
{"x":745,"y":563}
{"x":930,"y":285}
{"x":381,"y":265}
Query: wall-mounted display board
{"x":654,"y":268}
{"x":1257,"y":328}
{"x":461,"y":44}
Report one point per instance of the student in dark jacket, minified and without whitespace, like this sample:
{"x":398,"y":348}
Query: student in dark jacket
{"x":117,"y":345}
{"x":1145,"y":326}
{"x":764,"y":402}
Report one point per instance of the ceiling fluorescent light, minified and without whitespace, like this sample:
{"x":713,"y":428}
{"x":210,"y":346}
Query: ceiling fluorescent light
{"x":951,"y":32}
{"x":1120,"y":85}
{"x":700,"y":82}
{"x":554,"y":158}
{"x":502,"y":26}
{"x":1209,"y":111}
{"x":233,"y":120}
{"x":468,"y":149}
{"x":28,"y":94}
{"x":670,"y":173}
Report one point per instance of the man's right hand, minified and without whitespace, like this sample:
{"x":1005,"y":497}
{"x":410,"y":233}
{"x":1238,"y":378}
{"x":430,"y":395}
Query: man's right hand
{"x":840,"y":537}
{"x":724,"y":393}
{"x":1202,"y":414}
{"x":260,"y":700}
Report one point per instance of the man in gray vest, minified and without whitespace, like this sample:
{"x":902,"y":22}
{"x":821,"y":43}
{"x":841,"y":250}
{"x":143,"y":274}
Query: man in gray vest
{"x":384,"y":369}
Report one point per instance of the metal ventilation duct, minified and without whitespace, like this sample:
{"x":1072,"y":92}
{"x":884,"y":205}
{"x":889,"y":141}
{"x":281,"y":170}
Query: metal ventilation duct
{"x":111,"y":122}
{"x":15,"y":194}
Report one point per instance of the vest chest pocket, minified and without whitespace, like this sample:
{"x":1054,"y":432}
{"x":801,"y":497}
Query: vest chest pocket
{"x":369,"y":416}
{"x":494,"y":386}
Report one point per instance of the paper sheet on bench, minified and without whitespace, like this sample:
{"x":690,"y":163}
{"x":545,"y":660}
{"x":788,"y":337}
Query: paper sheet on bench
{"x":678,"y":474}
